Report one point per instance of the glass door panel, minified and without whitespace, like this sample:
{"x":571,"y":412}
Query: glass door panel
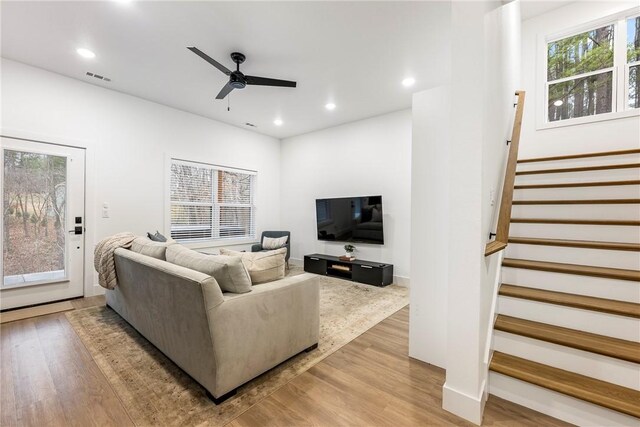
{"x":34,"y":218}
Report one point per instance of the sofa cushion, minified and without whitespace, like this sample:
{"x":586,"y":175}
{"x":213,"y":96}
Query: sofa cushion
{"x":145,"y":246}
{"x":229,"y":271}
{"x":270,"y":243}
{"x":263,"y":267}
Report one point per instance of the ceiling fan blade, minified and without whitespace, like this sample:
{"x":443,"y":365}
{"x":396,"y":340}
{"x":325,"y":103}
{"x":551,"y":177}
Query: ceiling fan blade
{"x":210,"y":60}
{"x":264,"y":81}
{"x":224,"y":91}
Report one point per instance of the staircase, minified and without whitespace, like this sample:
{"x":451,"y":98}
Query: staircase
{"x":566,"y":337}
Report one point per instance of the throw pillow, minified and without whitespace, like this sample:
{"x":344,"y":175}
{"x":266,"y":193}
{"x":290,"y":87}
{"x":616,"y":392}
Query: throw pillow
{"x":229,"y":271}
{"x":146,"y":246}
{"x":263,"y":267}
{"x":156,"y":237}
{"x":270,"y":243}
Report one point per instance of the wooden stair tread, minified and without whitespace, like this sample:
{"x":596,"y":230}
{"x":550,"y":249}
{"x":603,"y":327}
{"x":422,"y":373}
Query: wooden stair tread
{"x":586,"y":244}
{"x":582,"y":270}
{"x":578,"y":202}
{"x":621,"y":308}
{"x":620,"y":222}
{"x":586,"y":341}
{"x":580,"y":156}
{"x":612,"y":396}
{"x":577,"y":184}
{"x":579,"y":169}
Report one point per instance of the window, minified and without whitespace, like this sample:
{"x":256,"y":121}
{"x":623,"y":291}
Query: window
{"x":633,"y":62}
{"x":210,"y":202}
{"x":594,"y":71}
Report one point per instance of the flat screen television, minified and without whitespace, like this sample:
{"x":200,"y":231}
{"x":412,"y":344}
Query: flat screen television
{"x":350,"y":219}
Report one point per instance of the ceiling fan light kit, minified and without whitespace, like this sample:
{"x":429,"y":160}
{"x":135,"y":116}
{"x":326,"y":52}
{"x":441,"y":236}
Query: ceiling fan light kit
{"x":238,"y":80}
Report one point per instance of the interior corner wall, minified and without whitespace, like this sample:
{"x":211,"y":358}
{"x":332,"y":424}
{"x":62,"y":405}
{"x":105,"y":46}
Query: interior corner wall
{"x":430,"y":165}
{"x":367,"y":157}
{"x":481,"y":111}
{"x":127,"y":141}
{"x":622,"y":133}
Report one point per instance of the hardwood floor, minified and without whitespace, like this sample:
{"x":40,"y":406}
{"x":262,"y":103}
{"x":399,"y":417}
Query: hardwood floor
{"x":47,"y":377}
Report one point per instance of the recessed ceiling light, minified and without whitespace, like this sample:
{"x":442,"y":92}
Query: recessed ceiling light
{"x":123,"y":1}
{"x":558,"y":103}
{"x":277,"y":122}
{"x":85,"y":53}
{"x":409,"y":81}
{"x":330,"y":106}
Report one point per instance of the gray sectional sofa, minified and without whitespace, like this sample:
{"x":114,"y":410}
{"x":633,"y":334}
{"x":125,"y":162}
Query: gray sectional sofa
{"x":220,"y":339}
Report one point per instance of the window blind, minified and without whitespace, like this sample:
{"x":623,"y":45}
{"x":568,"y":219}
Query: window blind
{"x":209,"y":202}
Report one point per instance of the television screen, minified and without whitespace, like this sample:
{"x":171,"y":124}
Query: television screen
{"x":350,"y":219}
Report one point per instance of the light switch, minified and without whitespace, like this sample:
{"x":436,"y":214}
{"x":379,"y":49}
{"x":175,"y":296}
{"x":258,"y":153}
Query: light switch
{"x":105,"y":210}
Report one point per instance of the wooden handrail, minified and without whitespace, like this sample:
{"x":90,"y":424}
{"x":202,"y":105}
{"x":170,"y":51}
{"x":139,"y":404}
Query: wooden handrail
{"x":504,"y":216}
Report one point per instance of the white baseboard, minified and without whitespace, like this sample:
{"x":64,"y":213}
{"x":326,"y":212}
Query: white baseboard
{"x":463,"y":405}
{"x":98,"y":290}
{"x":401,"y":281}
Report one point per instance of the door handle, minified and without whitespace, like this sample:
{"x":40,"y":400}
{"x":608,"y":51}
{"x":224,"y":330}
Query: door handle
{"x":76,"y":230}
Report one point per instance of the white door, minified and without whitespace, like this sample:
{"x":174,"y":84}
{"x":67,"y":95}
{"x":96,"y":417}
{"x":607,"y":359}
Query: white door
{"x":42,"y":189}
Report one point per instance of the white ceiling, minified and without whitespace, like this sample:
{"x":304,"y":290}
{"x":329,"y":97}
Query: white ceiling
{"x":532,"y":8}
{"x":354,"y":54}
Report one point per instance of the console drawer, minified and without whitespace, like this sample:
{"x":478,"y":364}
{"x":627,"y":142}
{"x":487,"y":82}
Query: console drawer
{"x":367,"y":274}
{"x":315,"y":265}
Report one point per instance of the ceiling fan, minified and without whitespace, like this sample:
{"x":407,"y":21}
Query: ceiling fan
{"x":237,"y":80}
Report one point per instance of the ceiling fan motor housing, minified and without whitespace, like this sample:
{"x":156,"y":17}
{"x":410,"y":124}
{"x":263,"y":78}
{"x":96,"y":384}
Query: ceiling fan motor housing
{"x":237,"y":80}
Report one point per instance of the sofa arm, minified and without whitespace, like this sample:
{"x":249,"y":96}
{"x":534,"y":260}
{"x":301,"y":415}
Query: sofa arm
{"x":256,"y":248}
{"x":255,"y":331}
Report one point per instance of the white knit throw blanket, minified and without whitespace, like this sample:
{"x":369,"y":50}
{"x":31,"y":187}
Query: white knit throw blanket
{"x":103,"y":260}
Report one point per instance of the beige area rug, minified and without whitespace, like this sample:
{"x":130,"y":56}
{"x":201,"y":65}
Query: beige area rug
{"x":156,"y":392}
{"x":39,"y":310}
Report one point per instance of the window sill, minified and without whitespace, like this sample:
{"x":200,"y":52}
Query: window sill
{"x":590,"y":119}
{"x":219,"y":243}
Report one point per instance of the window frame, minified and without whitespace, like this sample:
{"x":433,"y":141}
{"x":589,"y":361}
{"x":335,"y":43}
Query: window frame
{"x":619,"y":101}
{"x":214,"y":241}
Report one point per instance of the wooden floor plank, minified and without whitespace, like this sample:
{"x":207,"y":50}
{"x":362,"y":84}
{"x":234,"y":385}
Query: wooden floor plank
{"x":370,"y":381}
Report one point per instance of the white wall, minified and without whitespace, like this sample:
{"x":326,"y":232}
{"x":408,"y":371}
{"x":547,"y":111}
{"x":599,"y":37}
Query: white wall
{"x":368,"y":157}
{"x":455,"y":291}
{"x":598,"y":136}
{"x":430,"y":166}
{"x":127,"y":140}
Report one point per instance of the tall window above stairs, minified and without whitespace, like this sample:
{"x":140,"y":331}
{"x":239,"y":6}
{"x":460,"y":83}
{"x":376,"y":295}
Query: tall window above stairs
{"x":593,"y":72}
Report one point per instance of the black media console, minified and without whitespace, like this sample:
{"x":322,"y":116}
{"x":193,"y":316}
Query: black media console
{"x":371,"y":273}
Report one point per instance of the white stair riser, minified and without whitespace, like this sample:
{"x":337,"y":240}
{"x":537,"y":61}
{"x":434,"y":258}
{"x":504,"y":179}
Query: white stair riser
{"x":593,"y":257}
{"x":585,"y":176}
{"x":565,"y":193}
{"x":576,"y":163}
{"x":555,"y":404}
{"x":610,"y":325}
{"x":620,"y":290}
{"x":595,"y":211}
{"x":620,"y":372}
{"x":598,"y":233}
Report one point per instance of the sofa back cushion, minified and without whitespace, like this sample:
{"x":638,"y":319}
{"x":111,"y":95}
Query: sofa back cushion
{"x":263,"y":266}
{"x":229,"y":271}
{"x":146,"y":246}
{"x":270,"y":243}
